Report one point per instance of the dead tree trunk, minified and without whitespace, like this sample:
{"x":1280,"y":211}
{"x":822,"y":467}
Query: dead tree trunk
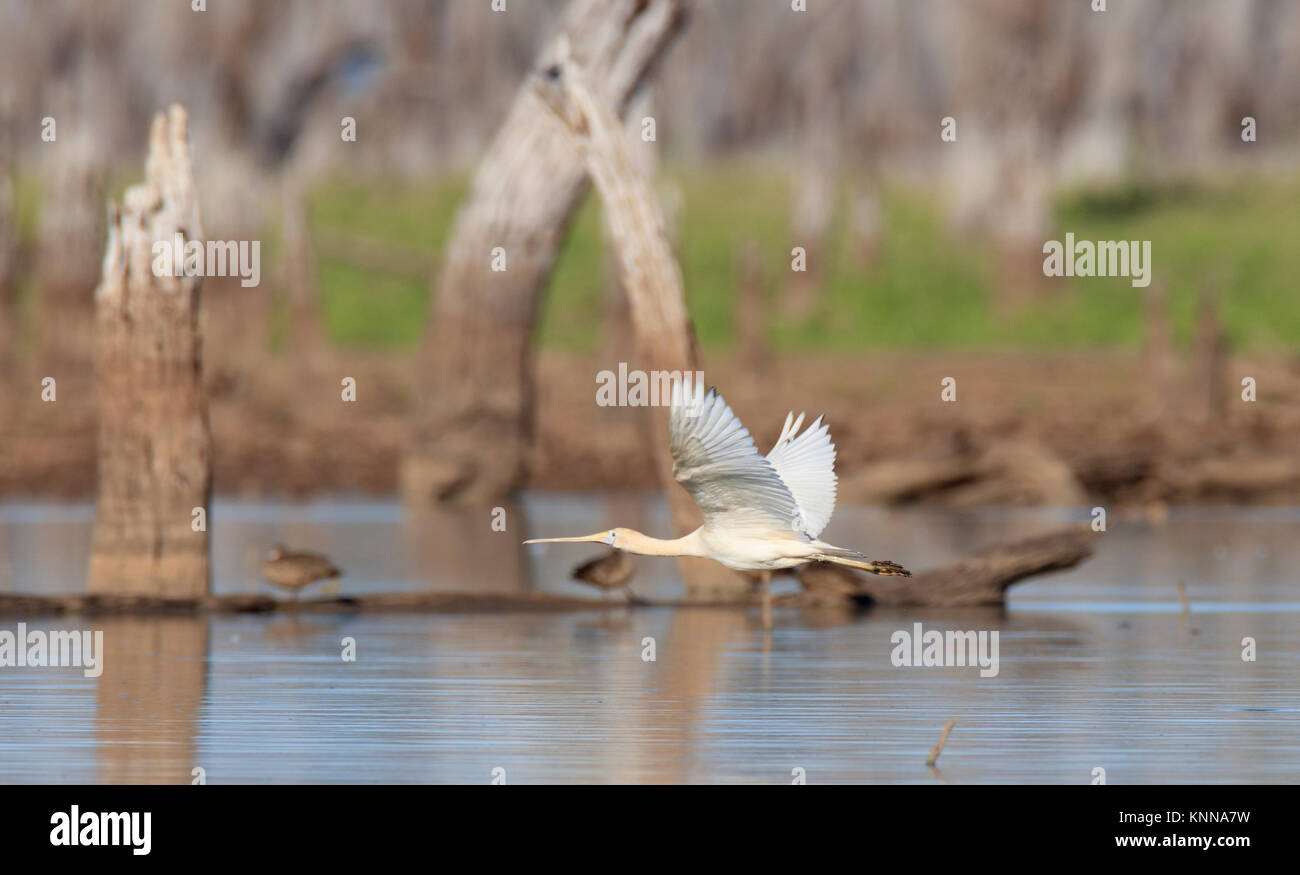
{"x":8,"y":272}
{"x":300,"y":280}
{"x":1211,"y":351}
{"x":650,"y":277}
{"x":155,"y":453}
{"x":864,"y":223}
{"x":1158,"y":351}
{"x":810,"y":224}
{"x":473,"y":415}
{"x":616,"y":328}
{"x":751,"y":310}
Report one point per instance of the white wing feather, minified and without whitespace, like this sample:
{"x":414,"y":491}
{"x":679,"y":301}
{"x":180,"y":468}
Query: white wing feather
{"x":806,"y":464}
{"x":715,"y":459}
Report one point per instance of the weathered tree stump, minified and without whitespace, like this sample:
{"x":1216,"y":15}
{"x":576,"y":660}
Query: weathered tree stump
{"x":473,"y":415}
{"x":155,"y":453}
{"x":649,"y":275}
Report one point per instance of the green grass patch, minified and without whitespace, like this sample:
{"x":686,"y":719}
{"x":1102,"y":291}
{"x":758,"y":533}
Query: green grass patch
{"x":362,"y":307}
{"x":925,"y":287}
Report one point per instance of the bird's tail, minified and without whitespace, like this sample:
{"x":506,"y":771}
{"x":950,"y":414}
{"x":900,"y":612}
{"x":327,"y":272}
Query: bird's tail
{"x":853,"y":559}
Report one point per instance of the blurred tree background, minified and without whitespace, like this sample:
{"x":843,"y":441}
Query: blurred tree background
{"x":774,"y":129}
{"x":1117,"y":125}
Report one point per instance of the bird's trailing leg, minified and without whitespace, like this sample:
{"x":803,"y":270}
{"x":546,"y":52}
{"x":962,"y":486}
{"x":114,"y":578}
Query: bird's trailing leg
{"x":882,"y":567}
{"x":765,"y":593}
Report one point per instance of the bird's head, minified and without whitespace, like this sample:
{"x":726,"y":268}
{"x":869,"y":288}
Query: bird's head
{"x":609,"y":536}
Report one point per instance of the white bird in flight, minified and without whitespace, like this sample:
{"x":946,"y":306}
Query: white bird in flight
{"x":761,"y":513}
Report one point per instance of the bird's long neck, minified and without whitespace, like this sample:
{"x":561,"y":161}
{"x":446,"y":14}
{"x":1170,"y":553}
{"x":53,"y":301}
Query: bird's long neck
{"x":643,"y":545}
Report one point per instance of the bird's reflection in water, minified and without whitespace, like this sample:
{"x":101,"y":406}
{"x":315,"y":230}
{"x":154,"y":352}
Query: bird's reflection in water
{"x":290,"y":626}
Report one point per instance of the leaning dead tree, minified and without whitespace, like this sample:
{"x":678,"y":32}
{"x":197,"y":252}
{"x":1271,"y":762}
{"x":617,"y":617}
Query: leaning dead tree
{"x":8,"y":270}
{"x":473,"y":415}
{"x":648,"y":273}
{"x":155,"y":453}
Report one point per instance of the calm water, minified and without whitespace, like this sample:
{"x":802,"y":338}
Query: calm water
{"x":1099,"y":666}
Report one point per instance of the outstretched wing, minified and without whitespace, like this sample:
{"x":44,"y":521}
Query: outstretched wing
{"x":806,"y":465}
{"x":715,"y":459}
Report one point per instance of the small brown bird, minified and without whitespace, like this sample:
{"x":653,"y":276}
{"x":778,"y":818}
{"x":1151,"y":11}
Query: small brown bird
{"x":612,"y":571}
{"x":294,"y":569}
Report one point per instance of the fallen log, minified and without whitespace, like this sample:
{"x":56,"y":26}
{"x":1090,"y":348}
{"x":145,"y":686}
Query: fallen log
{"x":897,"y":481}
{"x":981,"y":579}
{"x":27,"y":606}
{"x":1008,"y":472}
{"x":1237,"y":477}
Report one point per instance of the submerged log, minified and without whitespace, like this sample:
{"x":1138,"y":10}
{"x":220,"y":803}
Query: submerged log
{"x":155,"y":450}
{"x":406,"y":602}
{"x":981,"y":579}
{"x":473,"y":414}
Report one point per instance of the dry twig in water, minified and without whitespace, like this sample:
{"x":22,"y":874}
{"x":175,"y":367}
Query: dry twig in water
{"x":938,"y":748}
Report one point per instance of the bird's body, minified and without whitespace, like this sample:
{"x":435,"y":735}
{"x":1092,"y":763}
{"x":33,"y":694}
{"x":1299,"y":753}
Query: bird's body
{"x":761,"y":513}
{"x":294,"y":569}
{"x":610,"y":572}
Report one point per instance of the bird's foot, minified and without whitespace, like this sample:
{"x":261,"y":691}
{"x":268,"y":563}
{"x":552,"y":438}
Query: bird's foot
{"x":885,"y":568}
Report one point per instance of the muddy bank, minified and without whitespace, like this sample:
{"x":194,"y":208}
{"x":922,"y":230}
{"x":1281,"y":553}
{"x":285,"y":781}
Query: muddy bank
{"x":1025,"y":428}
